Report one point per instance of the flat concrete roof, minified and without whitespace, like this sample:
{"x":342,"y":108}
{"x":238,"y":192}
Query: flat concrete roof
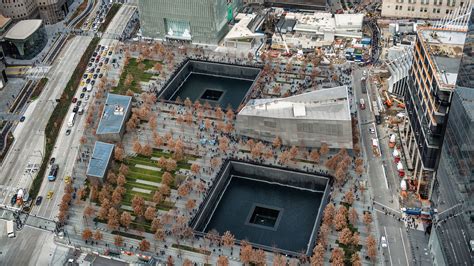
{"x":113,"y":116}
{"x":324,"y":104}
{"x":100,"y":159}
{"x":23,"y":29}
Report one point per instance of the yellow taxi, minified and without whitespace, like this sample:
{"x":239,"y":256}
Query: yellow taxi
{"x":83,"y":83}
{"x":67,"y":179}
{"x":50,"y":194}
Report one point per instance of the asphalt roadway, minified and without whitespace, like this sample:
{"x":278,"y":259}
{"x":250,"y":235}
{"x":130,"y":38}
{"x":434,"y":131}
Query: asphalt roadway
{"x":383,"y":188}
{"x":28,"y":146}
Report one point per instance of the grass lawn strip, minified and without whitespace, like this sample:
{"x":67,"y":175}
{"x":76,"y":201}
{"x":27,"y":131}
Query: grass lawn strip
{"x":138,"y":75}
{"x":147,"y":167}
{"x":191,"y":249}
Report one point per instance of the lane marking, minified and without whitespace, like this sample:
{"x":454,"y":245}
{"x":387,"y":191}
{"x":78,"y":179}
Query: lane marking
{"x":385,"y":176}
{"x":388,"y":245}
{"x":376,"y":202}
{"x":404,"y":248}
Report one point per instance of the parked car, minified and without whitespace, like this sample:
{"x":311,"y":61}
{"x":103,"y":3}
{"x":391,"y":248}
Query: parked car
{"x":383,"y":242}
{"x":68,"y":132}
{"x":74,"y":100}
{"x":74,"y":110}
{"x":81,"y":95}
{"x":371,"y":130}
{"x":78,"y":103}
{"x":38,"y":201}
{"x":50,"y":194}
{"x":84,"y":89}
{"x":51,"y":161}
{"x":22,"y":118}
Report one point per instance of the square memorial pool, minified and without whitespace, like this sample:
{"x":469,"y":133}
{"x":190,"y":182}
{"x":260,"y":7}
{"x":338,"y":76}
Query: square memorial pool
{"x":270,"y":207}
{"x":217,"y":83}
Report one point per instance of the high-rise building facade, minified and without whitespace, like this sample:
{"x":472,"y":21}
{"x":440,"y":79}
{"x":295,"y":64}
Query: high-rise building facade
{"x":19,"y":9}
{"x":197,"y":21}
{"x":431,"y":82}
{"x":453,"y":229}
{"x":427,"y":9}
{"x":50,"y":11}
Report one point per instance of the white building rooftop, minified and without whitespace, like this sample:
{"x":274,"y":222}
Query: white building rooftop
{"x":325,"y":104}
{"x":23,"y":29}
{"x":241,"y":30}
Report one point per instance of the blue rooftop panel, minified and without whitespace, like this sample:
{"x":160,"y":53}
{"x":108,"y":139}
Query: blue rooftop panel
{"x":113,"y":116}
{"x":100,"y":159}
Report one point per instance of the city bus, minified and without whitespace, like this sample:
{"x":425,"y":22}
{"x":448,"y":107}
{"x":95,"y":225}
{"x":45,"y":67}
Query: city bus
{"x":72,"y":119}
{"x":10,"y":229}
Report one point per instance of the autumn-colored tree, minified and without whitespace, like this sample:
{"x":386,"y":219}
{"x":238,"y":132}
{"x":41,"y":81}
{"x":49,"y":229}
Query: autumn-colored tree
{"x":125,"y":219}
{"x":118,"y":241}
{"x":102,"y":213}
{"x":323,"y":235}
{"x":157,"y":197}
{"x":138,"y":205}
{"x":349,"y":197}
{"x":160,"y":234}
{"x":314,"y":156}
{"x":337,"y":257}
{"x":228,"y":239}
{"x":293,"y":152}
{"x":146,"y":150}
{"x":111,"y":178}
{"x":324,"y":149}
{"x":259,"y":257}
{"x":318,"y":255}
{"x":329,"y":212}
{"x":340,"y":220}
{"x":150,"y":213}
{"x":156,"y":224}
{"x":144,"y":245}
{"x":223,"y":144}
{"x":178,"y":153}
{"x":113,"y":219}
{"x":98,"y":235}
{"x":367,"y":219}
{"x":371,"y":245}
{"x":190,"y":204}
{"x":257,"y":149}
{"x":222,"y":261}
{"x":116,"y":196}
{"x":276,"y":142}
{"x":136,"y":146}
{"x":167,"y":178}
{"x":165,"y":190}
{"x":195,"y":168}
{"x":128,"y":80}
{"x":219,"y":114}
{"x":246,"y":252}
{"x":119,"y":153}
{"x":230,"y":114}
{"x":353,"y":216}
{"x":187,"y":262}
{"x":170,"y":261}
{"x":121,"y":180}
{"x":171,"y":165}
{"x":345,"y":236}
{"x":284,"y":157}
{"x":88,"y":211}
{"x":86,"y":234}
{"x":355,"y":239}
{"x":215,"y":162}
{"x":340,"y":176}
{"x":157,"y":140}
{"x":279,"y":260}
{"x":355,"y":259}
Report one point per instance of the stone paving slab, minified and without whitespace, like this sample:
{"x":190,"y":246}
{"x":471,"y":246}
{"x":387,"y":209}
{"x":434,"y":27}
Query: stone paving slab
{"x":147,"y":167}
{"x":126,"y":207}
{"x":146,"y":182}
{"x":141,"y":190}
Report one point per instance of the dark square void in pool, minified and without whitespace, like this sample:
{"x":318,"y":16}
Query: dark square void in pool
{"x":219,"y":84}
{"x":267,"y":206}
